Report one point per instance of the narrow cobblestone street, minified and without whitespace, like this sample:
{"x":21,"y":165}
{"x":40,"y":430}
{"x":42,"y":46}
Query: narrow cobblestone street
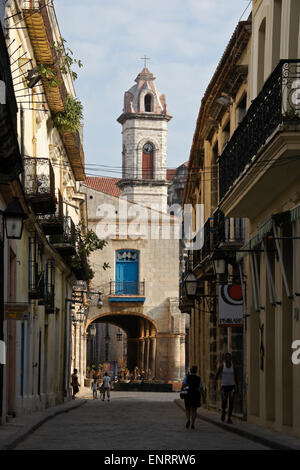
{"x":135,"y":421}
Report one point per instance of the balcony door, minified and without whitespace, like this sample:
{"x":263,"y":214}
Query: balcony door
{"x":127,"y":272}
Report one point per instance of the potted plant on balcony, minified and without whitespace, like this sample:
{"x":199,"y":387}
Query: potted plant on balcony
{"x":64,"y":60}
{"x":70,"y":119}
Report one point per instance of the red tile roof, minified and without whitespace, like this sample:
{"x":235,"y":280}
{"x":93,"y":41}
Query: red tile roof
{"x":106,"y":185}
{"x":171,"y":173}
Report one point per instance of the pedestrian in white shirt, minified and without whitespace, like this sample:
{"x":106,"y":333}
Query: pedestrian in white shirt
{"x":95,"y":388}
{"x":106,"y":386}
{"x":230,"y":384}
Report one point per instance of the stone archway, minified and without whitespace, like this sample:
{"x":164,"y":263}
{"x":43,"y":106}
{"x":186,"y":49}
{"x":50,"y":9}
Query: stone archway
{"x":141,"y":338}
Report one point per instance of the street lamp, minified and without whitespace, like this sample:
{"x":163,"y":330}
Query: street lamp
{"x":93,"y":330}
{"x":100,"y":302}
{"x":190,"y":284}
{"x":13,"y":219}
{"x":219,"y":263}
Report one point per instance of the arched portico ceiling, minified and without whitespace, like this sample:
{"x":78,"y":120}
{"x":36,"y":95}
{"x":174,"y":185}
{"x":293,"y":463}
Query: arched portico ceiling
{"x":131,"y":323}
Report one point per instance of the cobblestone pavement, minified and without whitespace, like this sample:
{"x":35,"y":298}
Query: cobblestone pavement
{"x":131,"y":420}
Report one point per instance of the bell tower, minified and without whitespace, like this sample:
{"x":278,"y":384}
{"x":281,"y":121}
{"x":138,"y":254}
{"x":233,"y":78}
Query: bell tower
{"x":144,"y":153}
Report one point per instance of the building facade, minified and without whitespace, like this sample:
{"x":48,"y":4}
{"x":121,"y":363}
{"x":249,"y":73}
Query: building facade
{"x":40,"y":277}
{"x":222,"y":108}
{"x":256,"y":158}
{"x":264,"y":187}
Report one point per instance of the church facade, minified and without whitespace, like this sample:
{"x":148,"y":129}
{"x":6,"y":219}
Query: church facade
{"x":140,"y":288}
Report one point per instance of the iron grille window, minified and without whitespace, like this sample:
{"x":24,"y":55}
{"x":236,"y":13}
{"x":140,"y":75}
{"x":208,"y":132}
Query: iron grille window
{"x":50,"y":285}
{"x":35,"y":273}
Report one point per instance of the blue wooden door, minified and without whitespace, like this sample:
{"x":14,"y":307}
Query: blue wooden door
{"x":127,"y":272}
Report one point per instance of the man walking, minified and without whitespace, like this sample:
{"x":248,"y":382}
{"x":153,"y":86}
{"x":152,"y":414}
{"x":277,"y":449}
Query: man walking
{"x":229,"y":385}
{"x":106,"y":386}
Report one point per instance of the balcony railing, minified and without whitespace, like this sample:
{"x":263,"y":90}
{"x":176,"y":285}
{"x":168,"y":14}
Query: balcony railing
{"x":227,"y":231}
{"x":127,"y":288}
{"x":277,"y":101}
{"x":39,"y":185}
{"x":199,"y":255}
{"x":65,"y":243}
{"x":53,"y":224}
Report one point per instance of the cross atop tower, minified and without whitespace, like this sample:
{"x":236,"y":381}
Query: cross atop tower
{"x":145,"y":58}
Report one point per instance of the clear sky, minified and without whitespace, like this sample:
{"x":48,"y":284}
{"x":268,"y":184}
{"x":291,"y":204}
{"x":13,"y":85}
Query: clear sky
{"x":185,"y":40}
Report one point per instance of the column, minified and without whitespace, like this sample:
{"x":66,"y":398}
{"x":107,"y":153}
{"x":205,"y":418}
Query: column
{"x":83,"y":360}
{"x":141,"y":353}
{"x":182,"y":355}
{"x":174,"y":357}
{"x":153,"y":356}
{"x":147,"y":355}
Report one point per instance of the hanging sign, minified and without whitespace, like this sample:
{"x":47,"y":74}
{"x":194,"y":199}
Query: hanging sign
{"x":230,"y":305}
{"x":16,"y":311}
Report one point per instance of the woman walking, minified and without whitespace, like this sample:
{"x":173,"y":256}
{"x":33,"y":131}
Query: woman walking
{"x":192,"y":383}
{"x":74,"y":383}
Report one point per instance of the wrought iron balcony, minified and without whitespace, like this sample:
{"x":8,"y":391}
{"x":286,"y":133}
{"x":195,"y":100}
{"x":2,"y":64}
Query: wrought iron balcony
{"x":127,"y":288}
{"x":36,"y":281}
{"x":65,"y":243}
{"x":53,"y":224}
{"x":200,"y":255}
{"x":227,"y":232}
{"x":39,"y":185}
{"x":277,"y":102}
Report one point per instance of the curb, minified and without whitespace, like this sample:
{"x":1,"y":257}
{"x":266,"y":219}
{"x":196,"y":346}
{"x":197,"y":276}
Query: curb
{"x":274,"y":445}
{"x":18,"y":437}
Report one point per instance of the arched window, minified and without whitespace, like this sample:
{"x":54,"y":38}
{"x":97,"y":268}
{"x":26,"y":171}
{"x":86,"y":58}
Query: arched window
{"x":148,"y":103}
{"x":147,"y":161}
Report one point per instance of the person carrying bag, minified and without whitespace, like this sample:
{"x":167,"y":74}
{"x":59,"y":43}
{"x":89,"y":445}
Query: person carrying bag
{"x":191,"y":392}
